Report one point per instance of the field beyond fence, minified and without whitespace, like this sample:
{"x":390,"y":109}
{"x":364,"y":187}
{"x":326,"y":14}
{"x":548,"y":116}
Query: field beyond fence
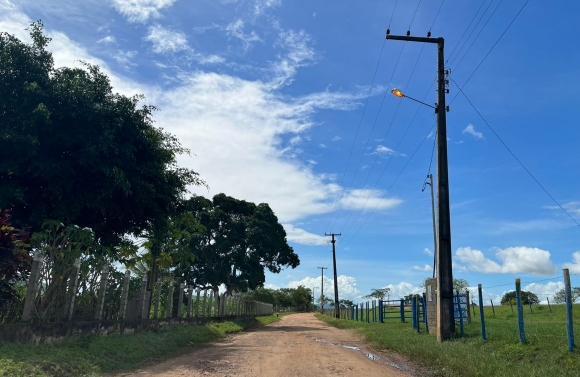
{"x":545,"y":352}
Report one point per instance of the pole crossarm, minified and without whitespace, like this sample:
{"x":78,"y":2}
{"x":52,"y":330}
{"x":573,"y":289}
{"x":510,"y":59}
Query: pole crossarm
{"x":415,"y":39}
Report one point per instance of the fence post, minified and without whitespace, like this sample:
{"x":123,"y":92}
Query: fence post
{"x":157,"y":299}
{"x":549,"y":307}
{"x":72,"y":288}
{"x":356,"y":312}
{"x":481,"y":314}
{"x":143,"y":307}
{"x":569,"y":316}
{"x":403,"y":310}
{"x":189,"y":300}
{"x":124,"y":295}
{"x":520,"y":311}
{"x":467,"y":301}
{"x":492,"y":307}
{"x":414,"y":312}
{"x":460,"y":311}
{"x":207,"y":312}
{"x":32,"y":286}
{"x":417,"y":321}
{"x":424,"y":303}
{"x":180,"y":300}
{"x":381,"y":319}
{"x":169,"y":311}
{"x":368,"y":313}
{"x":102,"y":292}
{"x":197,"y":302}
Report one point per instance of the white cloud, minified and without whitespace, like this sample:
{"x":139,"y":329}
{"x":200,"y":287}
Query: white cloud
{"x":381,"y":149}
{"x":470,"y":130}
{"x":109,"y":39}
{"x":425,"y":268}
{"x":141,"y":10}
{"x":368,"y":199}
{"x":428,"y":252}
{"x":570,"y":207}
{"x":236,"y":30}
{"x":347,"y":289}
{"x":544,"y":291}
{"x":314,"y":14}
{"x":260,"y":6}
{"x":574,"y":267}
{"x":336,"y":138}
{"x":303,"y":237}
{"x":125,"y":58}
{"x":299,"y":53}
{"x":519,"y":259}
{"x":165,"y":40}
{"x":322,"y":145}
{"x":295,"y":140}
{"x":402,"y":289}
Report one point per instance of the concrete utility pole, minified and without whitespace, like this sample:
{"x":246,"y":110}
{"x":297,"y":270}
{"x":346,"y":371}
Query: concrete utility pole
{"x":322,"y":289}
{"x":430,"y":183}
{"x":445,"y":320}
{"x":336,"y":306}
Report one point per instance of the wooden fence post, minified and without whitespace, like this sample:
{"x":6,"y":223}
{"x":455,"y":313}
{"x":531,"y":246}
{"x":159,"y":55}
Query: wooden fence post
{"x":157,"y":299}
{"x":189,"y":300}
{"x":206,"y":313}
{"x":143,"y":309}
{"x":125,"y":295}
{"x":169,"y":309}
{"x":72,"y":289}
{"x":102,"y":292}
{"x":481,"y":314}
{"x":180,"y":300}
{"x":32,"y":286}
{"x":197,"y":303}
{"x":467,"y":301}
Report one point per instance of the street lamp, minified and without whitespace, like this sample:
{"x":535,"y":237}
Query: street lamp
{"x":398,"y":93}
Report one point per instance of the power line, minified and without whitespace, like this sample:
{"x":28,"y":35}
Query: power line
{"x":415,"y":14}
{"x":478,"y":34}
{"x":437,"y":15}
{"x":392,"y":184}
{"x":514,"y":156}
{"x":468,"y":26}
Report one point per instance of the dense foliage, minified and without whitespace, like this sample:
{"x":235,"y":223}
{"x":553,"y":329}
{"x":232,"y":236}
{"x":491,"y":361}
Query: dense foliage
{"x":525,"y":297}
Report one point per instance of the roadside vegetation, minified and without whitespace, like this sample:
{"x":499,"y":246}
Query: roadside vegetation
{"x":93,"y":355}
{"x":545,"y":352}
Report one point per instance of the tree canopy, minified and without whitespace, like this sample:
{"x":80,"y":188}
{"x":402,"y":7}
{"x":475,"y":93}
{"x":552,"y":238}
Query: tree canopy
{"x":239,"y":241}
{"x":560,"y":296}
{"x":378,"y":293}
{"x":73,"y":150}
{"x":526,"y":298}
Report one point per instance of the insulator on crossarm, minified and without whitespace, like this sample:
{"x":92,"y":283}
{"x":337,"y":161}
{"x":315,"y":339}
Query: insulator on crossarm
{"x":429,"y":34}
{"x":408,"y":32}
{"x":388,"y":31}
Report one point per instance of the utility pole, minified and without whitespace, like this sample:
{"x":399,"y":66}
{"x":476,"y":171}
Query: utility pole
{"x":445,"y":320}
{"x":430,"y":183}
{"x":336,"y":306}
{"x":322,"y":289}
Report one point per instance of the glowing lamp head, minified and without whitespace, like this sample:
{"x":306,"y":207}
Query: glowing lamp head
{"x":397,"y":93}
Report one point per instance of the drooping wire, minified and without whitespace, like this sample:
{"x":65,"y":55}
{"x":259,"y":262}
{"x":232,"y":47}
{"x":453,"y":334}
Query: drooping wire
{"x":432,"y":153}
{"x":384,"y":138}
{"x":478,"y":34}
{"x":495,"y":44}
{"x":367,"y":142}
{"x":437,"y":15}
{"x":358,"y":129}
{"x":393,"y":14}
{"x":415,"y":14}
{"x":466,"y":29}
{"x":473,"y":30}
{"x":392,"y":184}
{"x":516,"y":158}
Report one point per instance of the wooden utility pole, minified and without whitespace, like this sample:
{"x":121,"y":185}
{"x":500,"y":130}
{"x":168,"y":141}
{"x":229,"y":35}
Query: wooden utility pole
{"x":322,"y":289}
{"x":445,"y":320}
{"x":336,"y":306}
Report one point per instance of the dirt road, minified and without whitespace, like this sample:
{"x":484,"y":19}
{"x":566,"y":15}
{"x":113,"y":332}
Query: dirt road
{"x":297,"y":345}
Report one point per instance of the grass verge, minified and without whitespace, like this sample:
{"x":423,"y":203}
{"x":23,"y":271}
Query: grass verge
{"x":91,"y":356}
{"x":545,"y":352}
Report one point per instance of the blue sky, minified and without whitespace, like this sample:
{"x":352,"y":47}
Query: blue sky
{"x":271,"y":96}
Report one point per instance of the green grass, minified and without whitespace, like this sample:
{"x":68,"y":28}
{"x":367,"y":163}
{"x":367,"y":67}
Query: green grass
{"x":90,"y":355}
{"x":544,"y":354}
{"x":266,"y":320}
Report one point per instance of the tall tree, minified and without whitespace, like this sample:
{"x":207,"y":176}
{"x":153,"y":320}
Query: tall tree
{"x":73,"y":150}
{"x":526,"y":298}
{"x":378,"y":293}
{"x":560,"y":296}
{"x":239,"y":242}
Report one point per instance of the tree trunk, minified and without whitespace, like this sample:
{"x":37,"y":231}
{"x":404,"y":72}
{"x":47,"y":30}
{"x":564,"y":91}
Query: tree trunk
{"x":153,"y":273}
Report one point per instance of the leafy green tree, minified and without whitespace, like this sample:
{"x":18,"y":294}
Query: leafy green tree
{"x":239,"y":242}
{"x":73,"y":150}
{"x":379,"y":293}
{"x":301,"y":298}
{"x":345,"y":304}
{"x":560,"y":296}
{"x":14,"y":258}
{"x":460,"y":284}
{"x":526,"y":298}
